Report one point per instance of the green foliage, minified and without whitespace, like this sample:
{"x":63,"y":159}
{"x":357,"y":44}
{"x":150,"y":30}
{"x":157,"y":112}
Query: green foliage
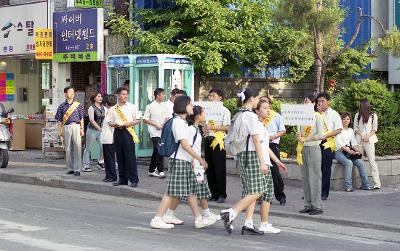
{"x":383,"y":102}
{"x":389,"y":141}
{"x":390,"y":43}
{"x":288,"y":143}
{"x":231,"y":104}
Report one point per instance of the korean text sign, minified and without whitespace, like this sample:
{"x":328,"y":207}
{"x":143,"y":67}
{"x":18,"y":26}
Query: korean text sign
{"x":213,"y":110}
{"x":44,"y":43}
{"x":78,"y":35}
{"x":7,"y":87}
{"x":17,"y":24}
{"x":302,"y":115}
{"x":85,"y":3}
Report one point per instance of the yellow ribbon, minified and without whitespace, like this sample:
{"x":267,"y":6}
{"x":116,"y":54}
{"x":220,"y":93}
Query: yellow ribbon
{"x":330,"y":142}
{"x":66,"y":116}
{"x":283,"y":155}
{"x":129,"y":129}
{"x":270,"y":117}
{"x":300,"y":146}
{"x":218,"y":138}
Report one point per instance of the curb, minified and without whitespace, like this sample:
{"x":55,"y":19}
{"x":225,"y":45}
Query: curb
{"x":123,"y":191}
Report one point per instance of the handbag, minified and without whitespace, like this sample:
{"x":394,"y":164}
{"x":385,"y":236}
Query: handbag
{"x":352,"y":156}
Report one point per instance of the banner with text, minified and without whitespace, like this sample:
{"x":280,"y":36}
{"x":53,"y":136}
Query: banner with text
{"x":294,"y":115}
{"x":7,"y":87}
{"x":44,"y":44}
{"x":213,"y":110}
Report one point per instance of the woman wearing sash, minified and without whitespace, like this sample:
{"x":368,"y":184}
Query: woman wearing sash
{"x":309,"y":158}
{"x":70,"y":115}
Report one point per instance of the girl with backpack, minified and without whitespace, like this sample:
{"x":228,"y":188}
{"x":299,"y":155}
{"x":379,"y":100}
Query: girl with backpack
{"x":250,"y":157}
{"x":266,"y":198}
{"x":202,"y":190}
{"x":181,"y":180}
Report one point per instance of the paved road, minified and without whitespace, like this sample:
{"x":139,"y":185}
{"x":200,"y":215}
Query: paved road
{"x":41,"y":218}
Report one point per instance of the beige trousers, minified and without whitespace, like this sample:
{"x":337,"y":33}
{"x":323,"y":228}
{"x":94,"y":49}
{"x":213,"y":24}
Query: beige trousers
{"x":369,"y":149}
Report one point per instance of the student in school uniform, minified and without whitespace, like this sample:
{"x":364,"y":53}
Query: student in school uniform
{"x":251,"y":161}
{"x":265,"y":227}
{"x":182,"y":180}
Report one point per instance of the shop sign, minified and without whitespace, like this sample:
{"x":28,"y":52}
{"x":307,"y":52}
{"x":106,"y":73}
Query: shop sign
{"x":17,"y":25}
{"x":147,"y":60}
{"x":85,"y":3}
{"x":118,"y":62}
{"x":44,"y":44}
{"x":177,"y":60}
{"x":7,"y":87}
{"x":78,"y":35}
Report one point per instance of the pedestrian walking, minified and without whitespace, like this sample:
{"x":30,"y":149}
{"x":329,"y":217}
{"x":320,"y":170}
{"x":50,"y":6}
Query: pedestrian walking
{"x":123,"y":118}
{"x":332,"y":127}
{"x":309,"y":158}
{"x":349,"y":154}
{"x":181,"y":181}
{"x":244,"y":138}
{"x":96,"y":113}
{"x":70,"y":115}
{"x":265,"y":203}
{"x":155,"y":116}
{"x":366,"y":126}
{"x":214,"y":151}
{"x":276,"y":130}
{"x":107,"y":140}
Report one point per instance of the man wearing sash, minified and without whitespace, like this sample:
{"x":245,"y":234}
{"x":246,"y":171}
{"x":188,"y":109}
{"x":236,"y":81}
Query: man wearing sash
{"x":332,"y":127}
{"x":215,"y":153}
{"x":123,"y":117}
{"x":70,"y":115}
{"x":276,"y":130}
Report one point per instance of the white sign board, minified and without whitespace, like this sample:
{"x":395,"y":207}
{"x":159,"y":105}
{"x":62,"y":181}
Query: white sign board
{"x":294,"y":115}
{"x":213,"y":110}
{"x":17,"y":27}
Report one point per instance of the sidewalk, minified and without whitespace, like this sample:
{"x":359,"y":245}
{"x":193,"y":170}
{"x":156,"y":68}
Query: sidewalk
{"x":371,"y":209}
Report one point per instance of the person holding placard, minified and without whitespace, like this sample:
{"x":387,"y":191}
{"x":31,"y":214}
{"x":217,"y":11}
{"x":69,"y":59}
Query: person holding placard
{"x":215,"y":153}
{"x":276,"y":130}
{"x":332,"y":127}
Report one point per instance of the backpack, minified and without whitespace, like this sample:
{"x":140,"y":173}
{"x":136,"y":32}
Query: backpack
{"x":167,"y":145}
{"x":236,"y":137}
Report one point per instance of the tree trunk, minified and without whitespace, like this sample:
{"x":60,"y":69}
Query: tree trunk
{"x":319,"y":49}
{"x":322,"y":78}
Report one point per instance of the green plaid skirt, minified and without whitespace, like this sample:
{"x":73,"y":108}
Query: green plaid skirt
{"x":269,"y":193}
{"x":253,"y":180}
{"x":202,"y":190}
{"x":181,"y":180}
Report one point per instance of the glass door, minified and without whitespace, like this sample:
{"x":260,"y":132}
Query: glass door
{"x":148,"y":82}
{"x":118,"y":77}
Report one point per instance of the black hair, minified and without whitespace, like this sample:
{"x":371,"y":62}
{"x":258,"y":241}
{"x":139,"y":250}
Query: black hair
{"x":66,"y":89}
{"x":248,"y":93}
{"x":126,"y":82}
{"x":174,"y":91}
{"x":93,"y":97}
{"x":266,"y":98}
{"x":182,"y":92}
{"x":120,"y":89}
{"x":311,"y":97}
{"x":110,"y":100}
{"x":180,"y":104}
{"x":218,"y":91}
{"x":197,"y":110}
{"x":324,"y":95}
{"x":158,"y":91}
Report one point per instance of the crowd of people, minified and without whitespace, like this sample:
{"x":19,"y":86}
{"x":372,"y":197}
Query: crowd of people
{"x":111,"y":124}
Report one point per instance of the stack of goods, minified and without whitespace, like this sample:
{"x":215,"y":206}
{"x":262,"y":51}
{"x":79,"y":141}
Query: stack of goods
{"x":52,"y":144}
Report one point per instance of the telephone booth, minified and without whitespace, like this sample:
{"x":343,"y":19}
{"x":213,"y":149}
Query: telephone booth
{"x":145,"y":73}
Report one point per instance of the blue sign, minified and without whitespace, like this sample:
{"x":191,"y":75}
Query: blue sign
{"x":177,"y":61}
{"x":76,"y":35}
{"x":147,"y":60}
{"x":118,"y":61}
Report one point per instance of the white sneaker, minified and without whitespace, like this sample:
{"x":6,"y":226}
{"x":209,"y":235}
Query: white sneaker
{"x":209,"y":220}
{"x":213,"y":216}
{"x":154,"y":174}
{"x":158,"y":223}
{"x":171,"y":219}
{"x":204,"y":223}
{"x":162,"y":175}
{"x":269,"y":229}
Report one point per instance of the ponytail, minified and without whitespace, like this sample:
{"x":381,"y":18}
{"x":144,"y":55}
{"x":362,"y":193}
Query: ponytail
{"x":244,"y":96}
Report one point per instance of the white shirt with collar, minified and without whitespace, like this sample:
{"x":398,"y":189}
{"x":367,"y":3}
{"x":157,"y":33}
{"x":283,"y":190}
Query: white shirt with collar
{"x":170,"y":106}
{"x":346,"y":138}
{"x":180,"y":130}
{"x":225,"y":120}
{"x":332,"y":120}
{"x":107,"y":132}
{"x":128,"y":109}
{"x":158,"y":113}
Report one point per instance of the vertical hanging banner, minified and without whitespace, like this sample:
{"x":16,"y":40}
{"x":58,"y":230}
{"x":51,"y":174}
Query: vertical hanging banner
{"x":44,"y":44}
{"x":78,"y":35}
{"x":85,"y":3}
{"x":7,"y":87}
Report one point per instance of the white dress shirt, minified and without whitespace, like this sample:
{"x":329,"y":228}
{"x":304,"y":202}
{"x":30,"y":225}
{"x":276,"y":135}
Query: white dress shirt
{"x":158,"y":113}
{"x":332,"y":119}
{"x":346,"y":138}
{"x":128,"y":109}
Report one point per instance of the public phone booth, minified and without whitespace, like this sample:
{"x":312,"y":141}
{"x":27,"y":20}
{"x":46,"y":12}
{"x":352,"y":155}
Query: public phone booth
{"x":145,"y":73}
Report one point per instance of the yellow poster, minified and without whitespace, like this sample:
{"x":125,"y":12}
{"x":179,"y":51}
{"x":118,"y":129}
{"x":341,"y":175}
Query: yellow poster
{"x":44,"y":44}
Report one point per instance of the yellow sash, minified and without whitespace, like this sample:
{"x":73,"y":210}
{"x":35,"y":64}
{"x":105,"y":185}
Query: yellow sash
{"x":330,"y":142}
{"x":270,"y":117}
{"x":124,"y":120}
{"x":66,"y":116}
{"x":218,"y":138}
{"x":300,"y":145}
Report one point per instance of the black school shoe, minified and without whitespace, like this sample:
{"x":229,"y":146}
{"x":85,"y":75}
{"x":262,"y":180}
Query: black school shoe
{"x":251,"y":231}
{"x":70,"y":172}
{"x":316,"y":211}
{"x":306,"y":210}
{"x":227,"y":223}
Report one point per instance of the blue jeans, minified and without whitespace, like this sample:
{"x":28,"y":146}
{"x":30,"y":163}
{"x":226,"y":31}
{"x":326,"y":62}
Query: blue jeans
{"x":92,"y":136}
{"x":348,"y":169}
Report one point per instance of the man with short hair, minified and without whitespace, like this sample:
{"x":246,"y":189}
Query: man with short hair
{"x":123,"y":117}
{"x":276,"y":130}
{"x":155,"y":116}
{"x":332,"y":127}
{"x":70,"y":115}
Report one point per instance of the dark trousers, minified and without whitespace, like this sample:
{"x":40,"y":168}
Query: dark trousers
{"x":157,"y":161}
{"x":326,"y":169}
{"x":109,"y":161}
{"x":216,"y":172}
{"x":126,"y":158}
{"x":279,"y":186}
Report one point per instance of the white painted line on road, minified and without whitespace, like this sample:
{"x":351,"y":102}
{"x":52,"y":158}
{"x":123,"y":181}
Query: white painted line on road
{"x":7,"y":210}
{"x":40,"y":243}
{"x":8,"y":225}
{"x":50,"y":208}
{"x":146,"y":212}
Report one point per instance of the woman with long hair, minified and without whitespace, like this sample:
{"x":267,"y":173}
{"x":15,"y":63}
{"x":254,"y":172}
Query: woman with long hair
{"x":365,"y":127}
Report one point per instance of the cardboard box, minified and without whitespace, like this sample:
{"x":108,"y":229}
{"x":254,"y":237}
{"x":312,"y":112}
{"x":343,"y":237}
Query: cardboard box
{"x":18,"y":138}
{"x":33,"y":133}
